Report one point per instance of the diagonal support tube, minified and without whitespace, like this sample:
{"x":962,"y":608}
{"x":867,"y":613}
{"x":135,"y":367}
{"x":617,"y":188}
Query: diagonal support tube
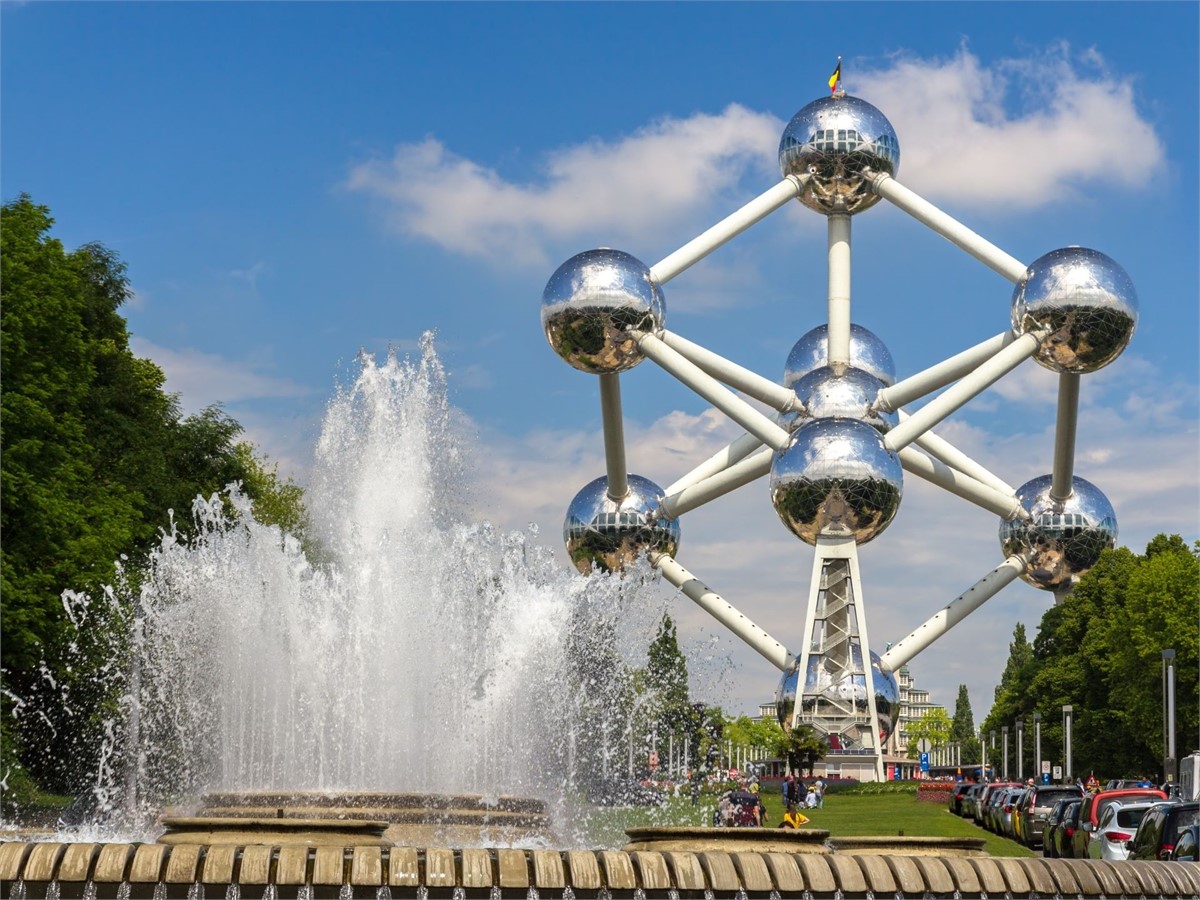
{"x":614,"y":436}
{"x":948,"y":227}
{"x":1064,"y":436}
{"x":1006,"y":506}
{"x":735,"y":451}
{"x":737,"y":377}
{"x":723,"y":611}
{"x":939,"y":448}
{"x":938,"y":376}
{"x":713,"y":391}
{"x":727,"y":229}
{"x":742,"y":473}
{"x":957,"y":610}
{"x":955,"y":396}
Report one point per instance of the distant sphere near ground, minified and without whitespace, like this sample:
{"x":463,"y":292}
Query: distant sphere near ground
{"x":836,"y":474}
{"x":1087,"y":302}
{"x":867,"y":352}
{"x":1062,"y":540}
{"x":848,"y":688}
{"x":611,"y":534}
{"x":592,"y":303}
{"x":838,"y":142}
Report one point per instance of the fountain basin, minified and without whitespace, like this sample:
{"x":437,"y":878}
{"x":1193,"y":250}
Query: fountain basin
{"x":901,"y":845}
{"x":726,"y":840}
{"x":274,"y":831}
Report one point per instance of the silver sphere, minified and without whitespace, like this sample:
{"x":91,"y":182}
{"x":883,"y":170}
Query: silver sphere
{"x":867,"y":352}
{"x":836,"y":475}
{"x":592,"y":303}
{"x":610,"y":534}
{"x":846,"y":394}
{"x":850,"y":687}
{"x":1062,"y":540}
{"x":838,"y":141}
{"x":1086,"y":300}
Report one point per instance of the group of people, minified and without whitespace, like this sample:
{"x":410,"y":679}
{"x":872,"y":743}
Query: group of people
{"x":811,"y":796}
{"x":743,"y":807}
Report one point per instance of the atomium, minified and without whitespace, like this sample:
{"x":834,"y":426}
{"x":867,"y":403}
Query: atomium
{"x":611,"y":534}
{"x":1084,"y":300}
{"x":1061,"y":539}
{"x":594,"y":303}
{"x":843,"y":432}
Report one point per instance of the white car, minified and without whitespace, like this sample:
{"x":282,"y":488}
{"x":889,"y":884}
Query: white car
{"x":1117,"y":825}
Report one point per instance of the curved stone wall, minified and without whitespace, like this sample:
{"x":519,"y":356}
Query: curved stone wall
{"x":191,"y":872}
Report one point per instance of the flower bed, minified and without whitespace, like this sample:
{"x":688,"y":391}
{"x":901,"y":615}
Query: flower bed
{"x":935,"y":791}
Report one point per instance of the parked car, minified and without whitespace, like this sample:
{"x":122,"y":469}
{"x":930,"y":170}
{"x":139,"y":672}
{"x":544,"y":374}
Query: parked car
{"x":1051,"y":824}
{"x":1094,"y":806}
{"x":1064,"y":835}
{"x":1160,"y":828}
{"x":1008,"y":812}
{"x":1117,"y":826}
{"x":959,"y":795}
{"x":985,"y":796}
{"x":1038,"y":802}
{"x":1187,"y":848}
{"x":970,"y":800}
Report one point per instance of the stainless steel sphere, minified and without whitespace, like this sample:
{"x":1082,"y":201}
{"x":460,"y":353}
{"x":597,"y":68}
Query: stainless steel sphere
{"x":849,"y":687}
{"x":847,"y":393}
{"x":1061,"y":540}
{"x":610,"y":534}
{"x":1086,"y":300}
{"x":867,"y":352}
{"x":837,"y":140}
{"x":836,"y":475}
{"x":592,"y":303}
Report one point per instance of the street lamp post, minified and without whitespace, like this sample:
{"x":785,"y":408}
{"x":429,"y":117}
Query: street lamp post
{"x":1067,"y":714}
{"x":1004,"y":731}
{"x":1168,"y":657}
{"x":1037,"y":742}
{"x":982,"y":756}
{"x":1020,"y":749}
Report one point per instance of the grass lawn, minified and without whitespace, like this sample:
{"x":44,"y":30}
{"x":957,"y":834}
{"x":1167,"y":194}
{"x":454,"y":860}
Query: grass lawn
{"x":844,"y":814}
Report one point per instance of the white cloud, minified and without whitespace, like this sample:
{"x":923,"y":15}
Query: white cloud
{"x":959,"y":142}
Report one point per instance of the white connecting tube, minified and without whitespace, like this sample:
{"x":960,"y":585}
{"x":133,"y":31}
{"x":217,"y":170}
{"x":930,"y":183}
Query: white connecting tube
{"x":614,"y":437}
{"x":839,"y":289}
{"x":675,"y":504}
{"x":1064,"y":437}
{"x":937,"y":472}
{"x":942,"y":449}
{"x":734,"y":452}
{"x":938,"y":376}
{"x":737,"y":377}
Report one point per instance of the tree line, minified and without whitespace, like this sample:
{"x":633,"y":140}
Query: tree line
{"x":95,"y":455}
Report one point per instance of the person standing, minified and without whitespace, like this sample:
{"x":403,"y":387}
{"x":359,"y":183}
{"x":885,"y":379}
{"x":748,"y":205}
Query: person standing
{"x":791,"y":790}
{"x":819,"y":789}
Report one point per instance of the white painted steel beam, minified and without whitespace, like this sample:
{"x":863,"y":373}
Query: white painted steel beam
{"x":738,"y":377}
{"x":938,"y":376}
{"x":728,"y":228}
{"x":957,"y":610}
{"x":713,"y":391}
{"x":937,"y":472}
{"x":948,"y":227}
{"x":1064,"y":436}
{"x":839,"y":289}
{"x":614,"y":436}
{"x":955,"y":396}
{"x":742,"y":473}
{"x":733,"y":452}
{"x":723,"y":611}
{"x":940,"y":448}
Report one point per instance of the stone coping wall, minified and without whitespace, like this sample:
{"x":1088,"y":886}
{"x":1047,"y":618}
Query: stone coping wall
{"x":32,"y":871}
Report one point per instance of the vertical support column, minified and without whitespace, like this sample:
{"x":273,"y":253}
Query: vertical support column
{"x":836,"y":650}
{"x":614,"y":436}
{"x":1064,"y":436}
{"x":1067,"y":716}
{"x":839,"y":289}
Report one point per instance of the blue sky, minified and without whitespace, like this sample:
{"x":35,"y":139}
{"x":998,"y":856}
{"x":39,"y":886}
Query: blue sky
{"x":289,"y":183}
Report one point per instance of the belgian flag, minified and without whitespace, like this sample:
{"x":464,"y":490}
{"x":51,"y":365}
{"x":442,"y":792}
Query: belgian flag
{"x":835,"y":77}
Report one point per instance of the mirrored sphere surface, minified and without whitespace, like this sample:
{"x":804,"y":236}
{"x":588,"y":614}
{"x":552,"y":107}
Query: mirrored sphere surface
{"x":849,"y":687}
{"x":592,"y":303}
{"x":1061,"y":540}
{"x":867,"y":352}
{"x":1086,"y":300}
{"x":610,"y":534}
{"x":836,"y":140}
{"x":836,"y":475}
{"x":847,"y":393}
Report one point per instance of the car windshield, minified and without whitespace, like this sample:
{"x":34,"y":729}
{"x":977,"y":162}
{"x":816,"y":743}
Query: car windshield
{"x":1050,"y":796}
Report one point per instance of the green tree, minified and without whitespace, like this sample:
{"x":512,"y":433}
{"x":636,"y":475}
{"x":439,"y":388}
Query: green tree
{"x":801,"y":746}
{"x":962,"y":728}
{"x":934,"y":727}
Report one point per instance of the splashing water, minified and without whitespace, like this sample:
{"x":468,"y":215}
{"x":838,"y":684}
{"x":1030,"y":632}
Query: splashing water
{"x":422,"y":651}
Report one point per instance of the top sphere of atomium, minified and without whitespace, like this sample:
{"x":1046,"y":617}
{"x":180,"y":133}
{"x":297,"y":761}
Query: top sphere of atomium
{"x":839,"y":142}
{"x":1087,"y":302}
{"x":1061,"y":539}
{"x":836,"y":476}
{"x":867,"y":352}
{"x":610,"y":534}
{"x":592,"y":303}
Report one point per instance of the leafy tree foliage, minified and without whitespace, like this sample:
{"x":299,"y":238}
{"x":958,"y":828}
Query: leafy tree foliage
{"x":962,"y":729}
{"x":1100,"y":651}
{"x":95,"y":453}
{"x":934,"y":726}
